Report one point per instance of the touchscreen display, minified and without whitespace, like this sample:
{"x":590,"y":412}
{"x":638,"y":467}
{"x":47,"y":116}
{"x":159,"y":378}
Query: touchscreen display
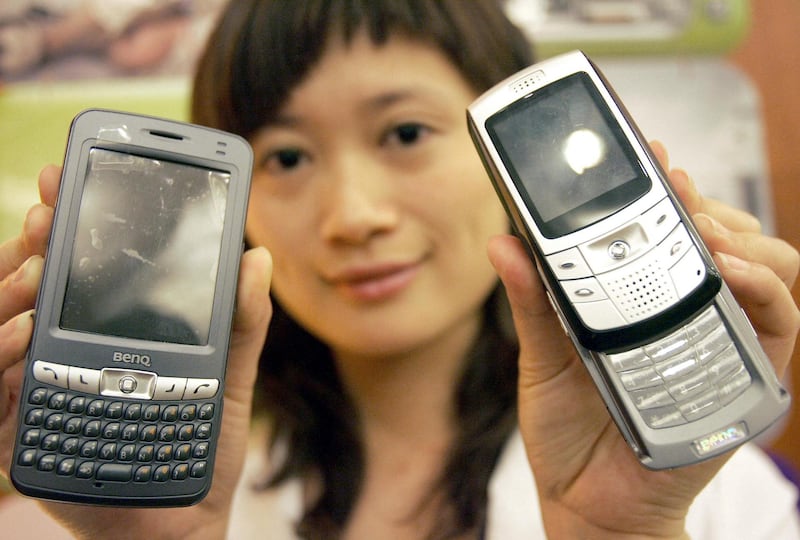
{"x":567,"y":156}
{"x":147,"y":245}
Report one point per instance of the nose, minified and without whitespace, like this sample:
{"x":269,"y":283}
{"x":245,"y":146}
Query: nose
{"x":357,"y":202}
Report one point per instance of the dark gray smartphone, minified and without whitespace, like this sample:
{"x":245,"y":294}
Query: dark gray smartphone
{"x":122,"y":396}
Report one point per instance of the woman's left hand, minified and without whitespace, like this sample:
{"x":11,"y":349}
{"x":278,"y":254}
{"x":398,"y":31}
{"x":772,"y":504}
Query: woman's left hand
{"x":589,"y":482}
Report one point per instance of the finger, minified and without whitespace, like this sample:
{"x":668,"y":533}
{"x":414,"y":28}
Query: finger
{"x":536,"y":323}
{"x":49,"y":179}
{"x":18,"y":290}
{"x":32,"y":240}
{"x":772,"y":252}
{"x":15,"y":335}
{"x":733,"y":218}
{"x":253,"y":312}
{"x":768,"y":303}
{"x":661,"y":154}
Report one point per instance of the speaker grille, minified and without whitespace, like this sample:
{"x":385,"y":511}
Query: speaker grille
{"x":528,"y":83}
{"x":640,"y":292}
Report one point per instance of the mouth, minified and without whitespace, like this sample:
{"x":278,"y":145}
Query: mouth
{"x":375,"y":283}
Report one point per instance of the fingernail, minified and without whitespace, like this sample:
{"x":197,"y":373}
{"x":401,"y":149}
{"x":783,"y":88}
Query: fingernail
{"x":22,"y":271}
{"x":732,"y":263}
{"x":715,"y":225}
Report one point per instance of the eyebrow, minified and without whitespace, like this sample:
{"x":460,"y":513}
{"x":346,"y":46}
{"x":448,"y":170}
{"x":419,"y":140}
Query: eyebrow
{"x":375,"y":103}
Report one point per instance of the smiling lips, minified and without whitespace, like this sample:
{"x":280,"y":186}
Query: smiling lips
{"x":375,"y":283}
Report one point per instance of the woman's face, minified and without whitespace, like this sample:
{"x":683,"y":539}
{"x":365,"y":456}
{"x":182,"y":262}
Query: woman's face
{"x":369,"y":194}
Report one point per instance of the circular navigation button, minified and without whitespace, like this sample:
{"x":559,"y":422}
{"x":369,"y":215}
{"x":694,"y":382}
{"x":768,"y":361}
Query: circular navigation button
{"x":127,"y":384}
{"x":618,"y":250}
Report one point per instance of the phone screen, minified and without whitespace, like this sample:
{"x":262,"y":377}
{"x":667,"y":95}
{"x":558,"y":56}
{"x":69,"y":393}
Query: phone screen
{"x":147,"y":248}
{"x":567,"y":156}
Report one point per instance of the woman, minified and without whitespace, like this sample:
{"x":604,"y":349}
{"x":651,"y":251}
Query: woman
{"x":389,"y":378}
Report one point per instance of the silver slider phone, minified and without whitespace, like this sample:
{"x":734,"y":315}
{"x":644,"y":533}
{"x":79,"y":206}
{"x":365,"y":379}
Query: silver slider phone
{"x":673,"y":355}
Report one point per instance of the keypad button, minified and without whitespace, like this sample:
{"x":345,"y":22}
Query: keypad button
{"x":161,"y":473}
{"x":66,"y":467}
{"x":114,"y":410}
{"x":151,"y":413}
{"x":148,"y":433}
{"x":166,"y":433}
{"x":27,"y":458}
{"x":70,"y":446}
{"x":146,"y":453}
{"x":186,"y":433}
{"x":133,"y":411}
{"x":35,"y":417}
{"x":180,"y":472}
{"x":92,"y":428}
{"x":54,"y":422}
{"x":107,"y":452}
{"x":88,"y":450}
{"x":47,"y":463}
{"x":188,"y":412}
{"x":57,"y":401}
{"x":206,"y":412}
{"x":111,"y":430}
{"x":114,"y":472}
{"x":143,"y":473}
{"x":130,"y":432}
{"x":164,"y":453}
{"x":73,"y":426}
{"x":76,"y":405}
{"x":183,"y":452}
{"x":199,"y":469}
{"x":85,"y":470}
{"x":127,"y":452}
{"x":170,"y":413}
{"x":96,"y":408}
{"x":31,"y":437}
{"x":203,"y":431}
{"x":663,"y":417}
{"x":50,"y":442}
{"x":38,"y":396}
{"x":200,"y":450}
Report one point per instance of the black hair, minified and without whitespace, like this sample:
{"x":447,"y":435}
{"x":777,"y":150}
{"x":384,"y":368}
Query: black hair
{"x":259,"y":52}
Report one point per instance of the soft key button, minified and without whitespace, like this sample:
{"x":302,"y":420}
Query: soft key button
{"x":600,"y":315}
{"x":200,"y":388}
{"x":583,"y":290}
{"x":675,"y":246}
{"x":660,"y":220}
{"x":84,"y":380}
{"x":169,"y":388}
{"x":688,"y":273}
{"x":569,"y":264}
{"x":51,"y":373}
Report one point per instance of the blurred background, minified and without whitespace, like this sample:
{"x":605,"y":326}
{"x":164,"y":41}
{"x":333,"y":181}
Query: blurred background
{"x":718,"y":81}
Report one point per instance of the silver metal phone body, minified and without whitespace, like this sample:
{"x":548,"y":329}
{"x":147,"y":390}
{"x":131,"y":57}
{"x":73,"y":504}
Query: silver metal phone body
{"x":673,"y":355}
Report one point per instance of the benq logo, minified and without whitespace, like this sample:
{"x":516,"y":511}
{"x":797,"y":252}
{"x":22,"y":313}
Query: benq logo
{"x":131,"y":358}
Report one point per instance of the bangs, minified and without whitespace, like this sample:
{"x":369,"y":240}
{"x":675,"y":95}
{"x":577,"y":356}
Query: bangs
{"x":261,"y":50}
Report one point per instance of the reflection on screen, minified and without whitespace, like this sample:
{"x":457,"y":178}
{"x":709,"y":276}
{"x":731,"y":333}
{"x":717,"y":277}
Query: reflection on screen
{"x":147,"y":248}
{"x":564,"y":155}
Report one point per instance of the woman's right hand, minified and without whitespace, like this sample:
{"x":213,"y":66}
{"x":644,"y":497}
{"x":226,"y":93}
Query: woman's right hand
{"x":21,"y":262}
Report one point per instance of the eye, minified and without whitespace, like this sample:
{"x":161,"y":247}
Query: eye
{"x":406,"y":134}
{"x":284,"y":160}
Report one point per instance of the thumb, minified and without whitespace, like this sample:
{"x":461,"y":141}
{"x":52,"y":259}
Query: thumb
{"x":253,"y":312}
{"x":545,"y":350}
